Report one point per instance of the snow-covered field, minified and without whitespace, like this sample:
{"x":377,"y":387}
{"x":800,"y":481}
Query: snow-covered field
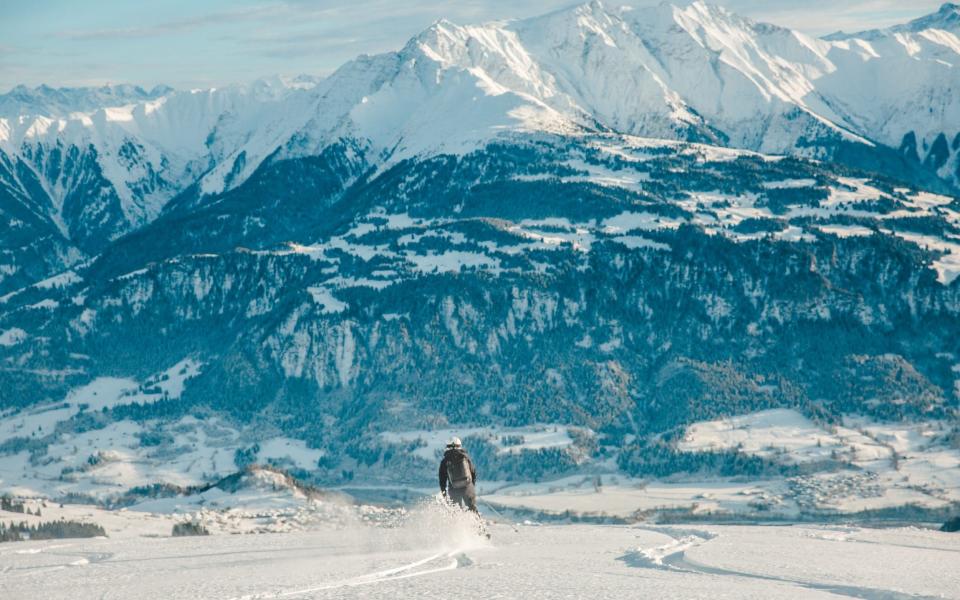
{"x":112,"y":459}
{"x":857,"y":466}
{"x":429,"y":555}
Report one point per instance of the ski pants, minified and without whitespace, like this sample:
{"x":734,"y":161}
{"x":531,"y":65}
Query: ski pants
{"x":465,"y":496}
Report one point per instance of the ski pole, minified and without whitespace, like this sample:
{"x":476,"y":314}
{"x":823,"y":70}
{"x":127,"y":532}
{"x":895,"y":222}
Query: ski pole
{"x":496,"y":512}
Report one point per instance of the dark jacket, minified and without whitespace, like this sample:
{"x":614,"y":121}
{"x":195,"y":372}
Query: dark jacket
{"x":450,"y":454}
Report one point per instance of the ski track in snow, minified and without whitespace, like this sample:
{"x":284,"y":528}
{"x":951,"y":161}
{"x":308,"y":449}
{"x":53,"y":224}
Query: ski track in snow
{"x":393,"y":574}
{"x":672,"y":556}
{"x":80,"y":559}
{"x":661,"y":557}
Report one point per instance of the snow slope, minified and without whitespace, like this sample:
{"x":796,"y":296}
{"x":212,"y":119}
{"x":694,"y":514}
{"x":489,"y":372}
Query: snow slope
{"x":418,"y":560}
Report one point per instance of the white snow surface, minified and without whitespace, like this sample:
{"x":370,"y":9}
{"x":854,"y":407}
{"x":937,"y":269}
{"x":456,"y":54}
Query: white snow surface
{"x":12,"y":336}
{"x":769,"y":432}
{"x":426,"y":552}
{"x":294,"y":451}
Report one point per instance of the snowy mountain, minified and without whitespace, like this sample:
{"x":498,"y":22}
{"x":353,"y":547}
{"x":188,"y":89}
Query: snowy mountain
{"x":605,"y":223}
{"x":124,"y":149}
{"x":85,"y":166}
{"x":695,"y":73}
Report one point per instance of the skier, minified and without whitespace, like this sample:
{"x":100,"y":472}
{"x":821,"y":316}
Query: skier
{"x":457,"y":470}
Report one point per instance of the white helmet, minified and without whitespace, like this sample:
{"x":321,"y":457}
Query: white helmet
{"x":454,"y":443}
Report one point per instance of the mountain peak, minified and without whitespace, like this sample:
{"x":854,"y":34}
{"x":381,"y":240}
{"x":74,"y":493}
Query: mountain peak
{"x":946,"y":17}
{"x":56,"y":101}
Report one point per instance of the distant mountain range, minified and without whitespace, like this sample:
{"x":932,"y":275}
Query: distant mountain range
{"x":622,"y":219}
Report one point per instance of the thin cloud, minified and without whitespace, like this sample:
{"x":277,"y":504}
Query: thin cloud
{"x":301,"y":45}
{"x":168,"y":27}
{"x":820,"y":17}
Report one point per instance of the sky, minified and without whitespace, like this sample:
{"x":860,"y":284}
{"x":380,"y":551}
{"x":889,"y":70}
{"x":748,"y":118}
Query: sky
{"x":203,"y":43}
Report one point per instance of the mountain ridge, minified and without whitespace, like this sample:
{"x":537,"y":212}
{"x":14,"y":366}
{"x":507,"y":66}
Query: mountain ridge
{"x":946,"y":17}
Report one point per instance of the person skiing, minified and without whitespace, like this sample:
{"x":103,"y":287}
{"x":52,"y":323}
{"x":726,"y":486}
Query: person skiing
{"x":458,"y":476}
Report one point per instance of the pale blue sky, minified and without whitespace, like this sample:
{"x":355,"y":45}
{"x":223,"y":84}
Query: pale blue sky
{"x":199,"y":43}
